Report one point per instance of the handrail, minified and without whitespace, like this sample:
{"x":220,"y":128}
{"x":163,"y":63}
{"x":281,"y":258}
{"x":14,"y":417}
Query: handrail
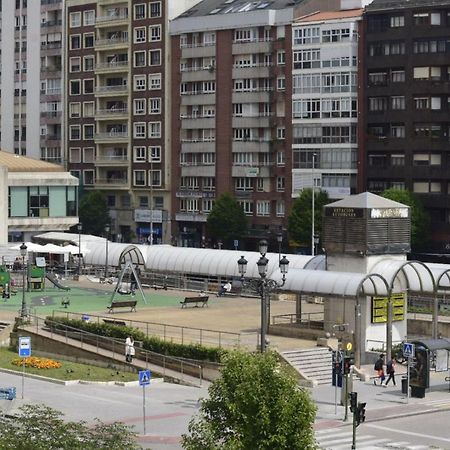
{"x":149,"y":355}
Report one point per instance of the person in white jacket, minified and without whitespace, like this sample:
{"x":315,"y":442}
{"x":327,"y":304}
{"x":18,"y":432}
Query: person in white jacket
{"x":129,"y":349}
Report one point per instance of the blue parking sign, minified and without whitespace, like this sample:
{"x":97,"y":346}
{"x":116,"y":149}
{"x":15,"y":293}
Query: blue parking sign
{"x":144,"y":377}
{"x":24,"y":347}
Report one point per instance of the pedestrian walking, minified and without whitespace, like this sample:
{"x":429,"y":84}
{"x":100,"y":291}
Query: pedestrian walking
{"x":129,"y":349}
{"x":390,"y":370}
{"x":378,"y":367}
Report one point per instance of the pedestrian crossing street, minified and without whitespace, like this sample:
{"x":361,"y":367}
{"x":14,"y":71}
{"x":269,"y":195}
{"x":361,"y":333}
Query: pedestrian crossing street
{"x":341,"y":439}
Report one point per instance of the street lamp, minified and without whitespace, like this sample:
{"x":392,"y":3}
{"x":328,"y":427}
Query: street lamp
{"x":79,"y":228}
{"x":264,"y":285}
{"x":280,"y":241}
{"x":312,"y":203}
{"x":107,"y":228}
{"x":23,"y":253}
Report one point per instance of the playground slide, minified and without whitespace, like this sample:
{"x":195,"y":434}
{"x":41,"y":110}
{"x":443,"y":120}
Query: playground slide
{"x":56,"y":282}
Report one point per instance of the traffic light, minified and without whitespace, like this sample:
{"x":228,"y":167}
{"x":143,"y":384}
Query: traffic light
{"x":361,"y":413}
{"x":348,"y":361}
{"x":353,"y":401}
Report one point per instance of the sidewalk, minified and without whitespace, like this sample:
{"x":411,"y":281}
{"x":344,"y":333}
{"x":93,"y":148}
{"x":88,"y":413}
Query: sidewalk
{"x":382,"y":402}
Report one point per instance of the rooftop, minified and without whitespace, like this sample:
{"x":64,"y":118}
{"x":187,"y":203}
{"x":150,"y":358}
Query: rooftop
{"x":330,"y":15}
{"x":400,"y":4}
{"x":16,"y":163}
{"x":214,"y":7}
{"x":366,"y":200}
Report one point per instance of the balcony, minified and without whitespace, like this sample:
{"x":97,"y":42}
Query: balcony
{"x":51,"y":23}
{"x":257,"y":121}
{"x":251,"y":47}
{"x":112,"y":182}
{"x":111,"y":136}
{"x":255,"y":146}
{"x":110,"y":113}
{"x":254,"y":96}
{"x":256,"y":170}
{"x":112,"y":67}
{"x":198,"y":51}
{"x":118,"y":42}
{"x":198,"y":122}
{"x":262,"y":71}
{"x":198,"y":98}
{"x":121,"y":18}
{"x":121,"y":89}
{"x":51,"y":45}
{"x":198,"y":171}
{"x":50,"y":69}
{"x":203,"y":74}
{"x":198,"y":146}
{"x":112,"y":160}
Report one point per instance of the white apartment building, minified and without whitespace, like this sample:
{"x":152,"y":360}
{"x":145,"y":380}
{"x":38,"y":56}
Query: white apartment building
{"x":324,"y":102}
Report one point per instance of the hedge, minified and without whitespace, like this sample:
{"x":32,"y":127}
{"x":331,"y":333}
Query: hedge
{"x":151,"y":343}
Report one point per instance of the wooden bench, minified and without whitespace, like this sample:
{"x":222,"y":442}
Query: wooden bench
{"x":65,"y":302}
{"x":196,"y":300}
{"x":123,"y":304}
{"x":121,"y":323}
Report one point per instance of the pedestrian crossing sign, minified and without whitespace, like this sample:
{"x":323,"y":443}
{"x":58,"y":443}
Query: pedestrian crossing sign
{"x":144,"y":377}
{"x":408,"y":350}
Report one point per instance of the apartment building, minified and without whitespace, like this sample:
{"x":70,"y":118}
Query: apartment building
{"x":117,"y":109}
{"x":231,"y":113}
{"x":324,"y":102}
{"x":404,"y":140}
{"x":30,"y":109}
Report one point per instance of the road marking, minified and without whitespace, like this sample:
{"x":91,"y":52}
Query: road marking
{"x":409,"y":433}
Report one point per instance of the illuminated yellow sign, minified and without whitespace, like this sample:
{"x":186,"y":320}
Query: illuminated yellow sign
{"x":380,"y":308}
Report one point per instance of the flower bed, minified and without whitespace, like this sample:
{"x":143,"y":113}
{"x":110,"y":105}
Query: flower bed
{"x":38,"y":363}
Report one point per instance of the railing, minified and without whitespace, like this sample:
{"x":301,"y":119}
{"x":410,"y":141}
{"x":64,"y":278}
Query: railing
{"x":106,"y":42}
{"x":112,"y":135}
{"x":116,"y":346}
{"x":51,"y":23}
{"x":114,"y":18}
{"x":180,"y":334}
{"x":197,"y":45}
{"x":112,"y":65}
{"x":111,"y":181}
{"x":110,"y":111}
{"x":306,"y":320}
{"x":120,"y":87}
{"x":51,"y":45}
{"x":115,"y":158}
{"x":51,"y":114}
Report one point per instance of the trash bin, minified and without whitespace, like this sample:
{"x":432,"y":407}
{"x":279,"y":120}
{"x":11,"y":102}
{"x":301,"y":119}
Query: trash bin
{"x":404,"y":385}
{"x":417,"y":391}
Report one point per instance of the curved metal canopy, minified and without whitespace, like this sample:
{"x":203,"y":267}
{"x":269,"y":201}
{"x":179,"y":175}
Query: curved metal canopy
{"x":118,"y":254}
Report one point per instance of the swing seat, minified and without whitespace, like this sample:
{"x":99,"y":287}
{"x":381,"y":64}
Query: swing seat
{"x":121,"y":292}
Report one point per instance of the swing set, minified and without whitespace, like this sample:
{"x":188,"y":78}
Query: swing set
{"x":127,"y":282}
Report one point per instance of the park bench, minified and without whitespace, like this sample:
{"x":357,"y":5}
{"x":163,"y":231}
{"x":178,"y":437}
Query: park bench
{"x":65,"y":302}
{"x":115,"y":322}
{"x":123,"y":304}
{"x":195,"y":300}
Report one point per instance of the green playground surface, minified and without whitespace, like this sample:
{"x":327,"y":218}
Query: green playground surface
{"x":82,"y":300}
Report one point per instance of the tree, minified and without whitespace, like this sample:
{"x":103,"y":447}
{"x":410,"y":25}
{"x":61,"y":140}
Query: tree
{"x":38,"y":427}
{"x":255,"y":404}
{"x":227,"y":220}
{"x":420,"y":219}
{"x":299,"y":220}
{"x":94,"y":213}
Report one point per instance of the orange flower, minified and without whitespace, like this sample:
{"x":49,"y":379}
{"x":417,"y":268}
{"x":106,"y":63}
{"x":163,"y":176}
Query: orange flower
{"x":38,"y":363}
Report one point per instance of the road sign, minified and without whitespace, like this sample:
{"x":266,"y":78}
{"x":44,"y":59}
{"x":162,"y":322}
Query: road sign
{"x":236,"y":244}
{"x":408,"y":350}
{"x":24,"y":347}
{"x":144,"y":377}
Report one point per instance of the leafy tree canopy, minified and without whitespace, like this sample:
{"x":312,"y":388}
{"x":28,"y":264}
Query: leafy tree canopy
{"x":94,"y":213}
{"x":299,"y":220}
{"x":227,"y":220}
{"x":38,"y":427}
{"x":420,"y":219}
{"x":255,"y":404}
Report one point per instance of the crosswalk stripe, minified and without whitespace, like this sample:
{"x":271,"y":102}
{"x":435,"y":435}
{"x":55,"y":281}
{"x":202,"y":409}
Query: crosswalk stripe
{"x":372,"y":444}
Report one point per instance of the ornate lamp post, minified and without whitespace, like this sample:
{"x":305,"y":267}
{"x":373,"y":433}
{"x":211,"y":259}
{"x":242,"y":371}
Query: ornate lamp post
{"x":107,"y":228}
{"x":264,"y":286}
{"x":23,"y":253}
{"x":79,"y":228}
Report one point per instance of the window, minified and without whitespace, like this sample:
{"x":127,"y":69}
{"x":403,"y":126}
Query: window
{"x":154,"y":153}
{"x":280,"y":184}
{"x":88,"y":109}
{"x":75,"y":64}
{"x":425,"y":159}
{"x":281,"y":58}
{"x":74,"y":110}
{"x":88,"y":63}
{"x":139,"y":59}
{"x":247,"y":206}
{"x":263,"y":208}
{"x":398,"y":76}
{"x":421,"y":19}
{"x":427,"y":73}
{"x":307,"y":59}
{"x":281,"y":83}
{"x":154,"y":81}
{"x":75,"y":132}
{"x":207,"y":205}
{"x":139,"y":11}
{"x":421,"y":103}
{"x":280,"y":158}
{"x":425,"y":187}
{"x":75,"y":87}
{"x":75,"y":19}
{"x":154,"y":178}
{"x":140,"y":35}
{"x":75,"y":41}
{"x":154,"y":106}
{"x":154,"y":33}
{"x":89,"y":17}
{"x":398,"y":102}
{"x":397,"y":21}
{"x":139,"y":106}
{"x":154,"y":130}
{"x":140,"y":154}
{"x":88,"y":40}
{"x":140,"y":82}
{"x":377,"y":78}
{"x":143,"y":201}
{"x":377,"y":103}
{"x":88,"y":132}
{"x":307,"y":35}
{"x":88,"y":177}
{"x":281,"y":133}
{"x":243,"y":184}
{"x":397,"y":131}
{"x":155,"y":9}
{"x":88,"y":154}
{"x":75,"y":154}
{"x":140,"y":130}
{"x":154,"y":57}
{"x":209,"y":184}
{"x":139,"y":177}
{"x":280,"y":208}
{"x":88,"y":86}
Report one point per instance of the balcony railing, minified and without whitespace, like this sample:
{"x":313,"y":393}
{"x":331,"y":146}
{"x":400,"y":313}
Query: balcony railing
{"x":112,"y":135}
{"x":112,"y":158}
{"x":111,"y":111}
{"x":111,"y":180}
{"x":196,"y":45}
{"x":118,"y":16}
{"x":113,"y":41}
{"x":112,"y":65}
{"x":190,"y":141}
{"x":51,"y":91}
{"x":50,"y":45}
{"x":121,"y":87}
{"x":51,"y":23}
{"x":196,"y":116}
{"x":51,"y":114}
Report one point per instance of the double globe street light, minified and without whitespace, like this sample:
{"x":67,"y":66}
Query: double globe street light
{"x":264,"y":286}
{"x":23,"y":254}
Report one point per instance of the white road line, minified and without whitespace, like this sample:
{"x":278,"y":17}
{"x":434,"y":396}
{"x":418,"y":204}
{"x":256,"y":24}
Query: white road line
{"x":373,"y":444}
{"x":409,"y":433}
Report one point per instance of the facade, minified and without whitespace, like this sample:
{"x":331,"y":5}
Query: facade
{"x":231,"y":114}
{"x":404,"y":140}
{"x":324,"y":102}
{"x":30,"y":110}
{"x":117,"y":109}
{"x":38,"y":197}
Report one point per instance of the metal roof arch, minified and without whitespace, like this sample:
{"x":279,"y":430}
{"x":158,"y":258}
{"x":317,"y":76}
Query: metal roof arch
{"x":371,"y":277}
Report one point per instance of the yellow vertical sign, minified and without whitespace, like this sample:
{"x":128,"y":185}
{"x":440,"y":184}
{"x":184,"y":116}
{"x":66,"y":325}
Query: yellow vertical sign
{"x":380,"y":308}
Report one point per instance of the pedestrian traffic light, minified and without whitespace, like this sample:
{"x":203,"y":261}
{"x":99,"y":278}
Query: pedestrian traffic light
{"x":347,"y":365}
{"x":361,"y":413}
{"x":353,"y":401}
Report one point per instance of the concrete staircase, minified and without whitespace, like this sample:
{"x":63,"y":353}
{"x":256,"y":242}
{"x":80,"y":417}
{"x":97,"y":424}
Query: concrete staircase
{"x":314,"y":364}
{"x":5,"y":330}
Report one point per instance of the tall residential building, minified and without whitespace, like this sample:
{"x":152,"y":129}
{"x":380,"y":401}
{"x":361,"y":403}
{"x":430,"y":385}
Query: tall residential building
{"x":231,"y":113}
{"x":118,"y":109}
{"x":31,"y":43}
{"x":405,"y":86}
{"x":324,"y":102}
